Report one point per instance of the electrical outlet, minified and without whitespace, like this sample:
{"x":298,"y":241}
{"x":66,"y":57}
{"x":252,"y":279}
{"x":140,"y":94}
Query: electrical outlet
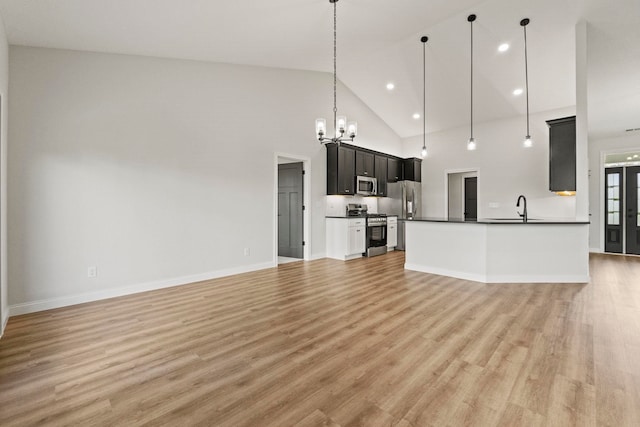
{"x":247,"y":251}
{"x":92,"y":271}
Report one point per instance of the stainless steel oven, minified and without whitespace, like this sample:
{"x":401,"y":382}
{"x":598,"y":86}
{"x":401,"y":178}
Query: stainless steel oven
{"x":376,"y":234}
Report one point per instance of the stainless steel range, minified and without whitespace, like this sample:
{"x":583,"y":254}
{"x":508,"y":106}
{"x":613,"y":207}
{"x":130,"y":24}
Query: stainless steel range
{"x":376,"y":234}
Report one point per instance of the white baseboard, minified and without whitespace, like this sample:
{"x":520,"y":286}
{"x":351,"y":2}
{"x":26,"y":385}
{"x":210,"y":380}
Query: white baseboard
{"x":444,"y":272}
{"x":538,"y":279}
{"x":5,"y":319}
{"x":595,"y":250}
{"x":48,"y":304}
{"x":317,"y":256}
{"x":499,"y":278}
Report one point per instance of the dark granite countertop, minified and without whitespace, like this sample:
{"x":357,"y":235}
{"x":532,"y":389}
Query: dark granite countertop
{"x":354,"y":217}
{"x":508,"y":221}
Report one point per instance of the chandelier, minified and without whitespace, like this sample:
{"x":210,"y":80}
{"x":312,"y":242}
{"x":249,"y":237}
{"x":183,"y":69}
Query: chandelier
{"x":340,"y":123}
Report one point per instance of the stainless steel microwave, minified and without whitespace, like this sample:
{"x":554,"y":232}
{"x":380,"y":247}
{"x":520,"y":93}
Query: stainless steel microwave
{"x":366,"y":186}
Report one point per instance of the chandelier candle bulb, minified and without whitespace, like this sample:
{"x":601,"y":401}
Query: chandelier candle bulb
{"x":352,"y":129}
{"x":321,"y":127}
{"x":341,"y":124}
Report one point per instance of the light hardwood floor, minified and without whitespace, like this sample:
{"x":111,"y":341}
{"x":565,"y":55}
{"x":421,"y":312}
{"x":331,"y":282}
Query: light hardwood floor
{"x":331,"y":343}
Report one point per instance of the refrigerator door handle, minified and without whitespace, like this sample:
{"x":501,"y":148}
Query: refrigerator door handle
{"x":416,"y":207}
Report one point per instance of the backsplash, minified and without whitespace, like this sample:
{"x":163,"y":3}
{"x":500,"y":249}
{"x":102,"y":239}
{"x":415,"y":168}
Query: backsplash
{"x":337,"y":205}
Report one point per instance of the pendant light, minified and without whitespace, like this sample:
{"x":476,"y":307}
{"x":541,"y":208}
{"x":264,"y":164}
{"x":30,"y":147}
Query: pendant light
{"x":339,"y":122}
{"x":528,"y":142}
{"x":471,"y":144}
{"x":424,"y":39}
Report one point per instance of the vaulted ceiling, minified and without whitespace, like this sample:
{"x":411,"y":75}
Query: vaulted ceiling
{"x":378,"y":42}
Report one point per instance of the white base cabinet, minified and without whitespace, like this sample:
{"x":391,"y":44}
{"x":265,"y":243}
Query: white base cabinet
{"x":392,"y":232}
{"x":346,"y":238}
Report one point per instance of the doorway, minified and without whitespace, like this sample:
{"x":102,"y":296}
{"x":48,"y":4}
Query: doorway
{"x":471,"y":198}
{"x":291,"y":215}
{"x":290,"y":210}
{"x":622,"y":209}
{"x":462,"y":195}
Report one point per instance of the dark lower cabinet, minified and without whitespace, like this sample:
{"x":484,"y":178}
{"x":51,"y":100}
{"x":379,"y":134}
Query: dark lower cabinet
{"x":562,"y":154}
{"x":341,"y":163}
{"x":381,"y":174}
{"x":365,"y":163}
{"x":413,"y":169}
{"x":394,"y":170}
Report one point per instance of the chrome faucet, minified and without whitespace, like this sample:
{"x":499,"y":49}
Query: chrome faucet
{"x":523,"y":214}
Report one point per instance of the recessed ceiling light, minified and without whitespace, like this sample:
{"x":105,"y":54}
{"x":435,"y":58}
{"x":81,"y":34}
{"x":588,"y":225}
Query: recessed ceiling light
{"x":518,"y":92}
{"x":417,"y":116}
{"x":635,"y":156}
{"x":629,"y":158}
{"x":390,"y":86}
{"x":503,"y":47}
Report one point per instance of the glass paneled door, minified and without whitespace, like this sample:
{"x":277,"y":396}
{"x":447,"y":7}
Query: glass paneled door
{"x":614,"y":185}
{"x":622,"y":210}
{"x":632,"y":210}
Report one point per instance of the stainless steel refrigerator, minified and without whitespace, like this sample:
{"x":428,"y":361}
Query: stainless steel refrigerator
{"x":404,"y":198}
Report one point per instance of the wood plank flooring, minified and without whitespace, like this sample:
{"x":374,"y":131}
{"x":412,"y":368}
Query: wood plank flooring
{"x":331,"y":343}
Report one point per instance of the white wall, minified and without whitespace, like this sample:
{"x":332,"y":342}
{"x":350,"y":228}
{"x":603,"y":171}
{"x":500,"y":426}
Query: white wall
{"x":582,"y":124}
{"x":156,"y":171}
{"x":505,"y":168}
{"x":4,"y":81}
{"x":456,"y":196}
{"x":597,"y":149}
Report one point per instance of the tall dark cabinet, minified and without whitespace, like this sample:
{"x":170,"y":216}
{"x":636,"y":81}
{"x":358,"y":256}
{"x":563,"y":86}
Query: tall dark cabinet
{"x":562,"y":154}
{"x":341,"y":169}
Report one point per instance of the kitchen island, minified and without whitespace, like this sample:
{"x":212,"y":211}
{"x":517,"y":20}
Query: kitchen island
{"x":499,"y":250}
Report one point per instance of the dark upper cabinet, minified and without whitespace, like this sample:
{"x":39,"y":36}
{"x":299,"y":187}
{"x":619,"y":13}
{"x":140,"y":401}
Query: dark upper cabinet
{"x":562,"y":154}
{"x":381,"y":174}
{"x":413,"y":169}
{"x":394,"y":170}
{"x":345,"y":162}
{"x":341,"y":163}
{"x":364,"y":163}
